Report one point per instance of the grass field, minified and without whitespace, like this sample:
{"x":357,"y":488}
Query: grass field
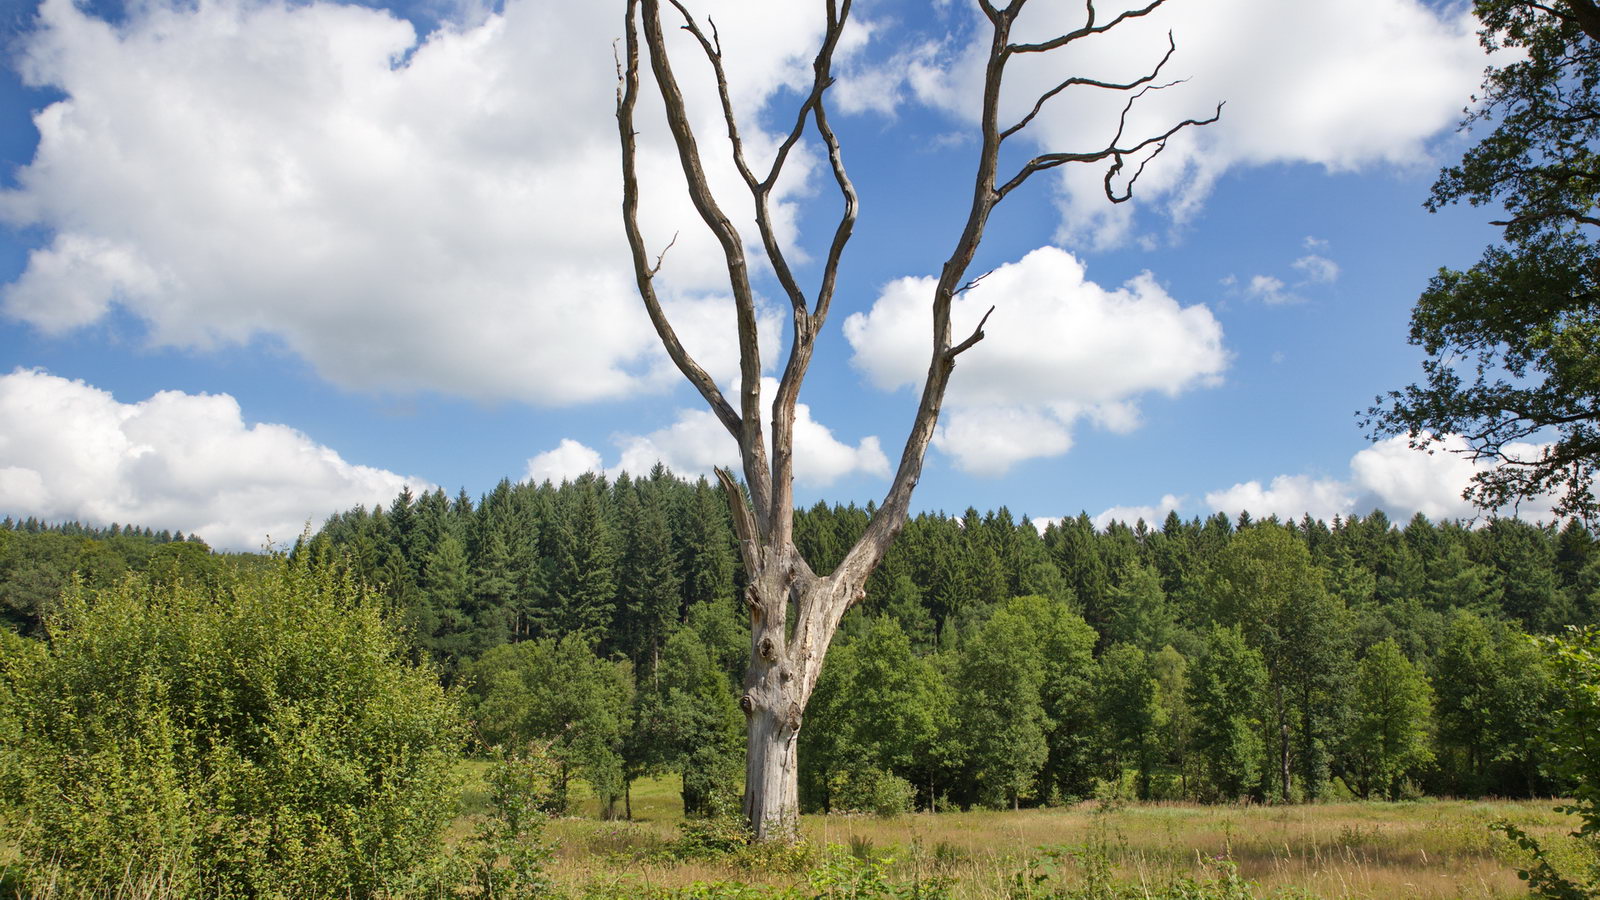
{"x":1430,"y":849}
{"x":1426,"y":849}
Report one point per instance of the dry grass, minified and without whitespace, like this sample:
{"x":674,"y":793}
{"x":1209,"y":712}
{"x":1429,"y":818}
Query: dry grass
{"x":1428,"y":849}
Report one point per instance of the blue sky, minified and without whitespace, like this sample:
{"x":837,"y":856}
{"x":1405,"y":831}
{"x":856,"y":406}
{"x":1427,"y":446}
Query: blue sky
{"x":263,"y":260}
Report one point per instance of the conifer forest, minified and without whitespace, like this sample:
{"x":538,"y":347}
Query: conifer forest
{"x":992,"y":662}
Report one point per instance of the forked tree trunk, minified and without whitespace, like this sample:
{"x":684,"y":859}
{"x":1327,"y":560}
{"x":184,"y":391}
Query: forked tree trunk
{"x":782,"y":674}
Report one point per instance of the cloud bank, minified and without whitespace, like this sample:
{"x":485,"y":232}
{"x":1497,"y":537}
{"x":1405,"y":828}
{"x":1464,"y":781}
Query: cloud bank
{"x":1059,"y":350}
{"x":406,"y":213}
{"x":1389,"y":476}
{"x":175,"y":461}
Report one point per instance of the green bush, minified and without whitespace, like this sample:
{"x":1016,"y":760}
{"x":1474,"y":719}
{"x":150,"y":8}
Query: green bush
{"x":260,"y":736}
{"x":871,"y":792}
{"x":1575,"y":660}
{"x":710,"y":838}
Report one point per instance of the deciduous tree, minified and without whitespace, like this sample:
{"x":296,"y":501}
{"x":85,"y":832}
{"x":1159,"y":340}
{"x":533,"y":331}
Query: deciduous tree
{"x":1513,"y":343}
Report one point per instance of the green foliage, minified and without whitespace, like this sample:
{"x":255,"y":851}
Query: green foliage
{"x":711,"y":837}
{"x":998,"y":681}
{"x":846,"y":876}
{"x":1225,"y":692}
{"x":875,"y":723}
{"x":1543,"y":878}
{"x":870,"y":791}
{"x":506,"y":857}
{"x":1575,"y":661}
{"x":1495,"y":704}
{"x":1265,"y":582}
{"x":560,"y":692}
{"x":1524,"y":320}
{"x":1576,"y":738}
{"x":691,"y":723}
{"x":1128,"y":713}
{"x":1392,"y":724}
{"x":263,"y":737}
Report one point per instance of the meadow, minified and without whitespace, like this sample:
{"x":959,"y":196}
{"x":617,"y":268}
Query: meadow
{"x":1423,"y":849}
{"x":1429,"y":849}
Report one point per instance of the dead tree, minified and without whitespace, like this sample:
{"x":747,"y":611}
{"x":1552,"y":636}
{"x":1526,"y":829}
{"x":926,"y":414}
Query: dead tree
{"x":785,"y":660}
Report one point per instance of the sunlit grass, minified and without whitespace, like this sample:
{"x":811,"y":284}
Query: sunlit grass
{"x":1431,"y":849}
{"x":1426,"y":849}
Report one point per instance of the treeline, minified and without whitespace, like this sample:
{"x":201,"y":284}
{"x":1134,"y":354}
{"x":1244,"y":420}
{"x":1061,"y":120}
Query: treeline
{"x":991,"y":663}
{"x":38,"y":560}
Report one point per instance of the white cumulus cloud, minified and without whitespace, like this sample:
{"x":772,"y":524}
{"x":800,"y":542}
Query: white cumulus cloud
{"x":1338,"y":85}
{"x":1389,"y":475}
{"x":176,"y":461}
{"x":567,"y":461}
{"x":1058,"y":348}
{"x":405,"y":213}
{"x":1287,"y":497}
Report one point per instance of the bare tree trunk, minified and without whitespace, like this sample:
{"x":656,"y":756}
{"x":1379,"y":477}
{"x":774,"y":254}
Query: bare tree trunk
{"x":1283,"y":745}
{"x":782,"y":673}
{"x":772,"y":770}
{"x":784,"y":666}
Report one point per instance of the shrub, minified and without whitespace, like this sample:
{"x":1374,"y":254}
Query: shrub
{"x":1576,"y":744}
{"x":505,"y":858}
{"x":872,"y":792}
{"x":259,"y":736}
{"x":710,"y":838}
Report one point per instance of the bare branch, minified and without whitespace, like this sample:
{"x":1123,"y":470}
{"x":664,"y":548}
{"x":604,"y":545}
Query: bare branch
{"x":976,"y":336}
{"x":744,"y":525}
{"x":1090,"y":82}
{"x":627,"y":97}
{"x":746,"y":427}
{"x":1117,"y":154}
{"x":807,"y":323}
{"x":847,"y":219}
{"x":713,"y":50}
{"x":1088,"y":29}
{"x":974,"y":282}
{"x":663,"y":255}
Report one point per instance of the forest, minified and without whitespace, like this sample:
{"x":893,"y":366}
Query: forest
{"x":992,"y":663}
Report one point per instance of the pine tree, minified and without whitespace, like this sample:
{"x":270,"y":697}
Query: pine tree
{"x":705,"y":548}
{"x":1138,"y":609}
{"x":445,"y":626}
{"x":650,"y":593}
{"x":584,"y":592}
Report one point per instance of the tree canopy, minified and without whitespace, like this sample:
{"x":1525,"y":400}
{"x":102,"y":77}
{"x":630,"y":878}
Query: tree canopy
{"x":1513,"y":342}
